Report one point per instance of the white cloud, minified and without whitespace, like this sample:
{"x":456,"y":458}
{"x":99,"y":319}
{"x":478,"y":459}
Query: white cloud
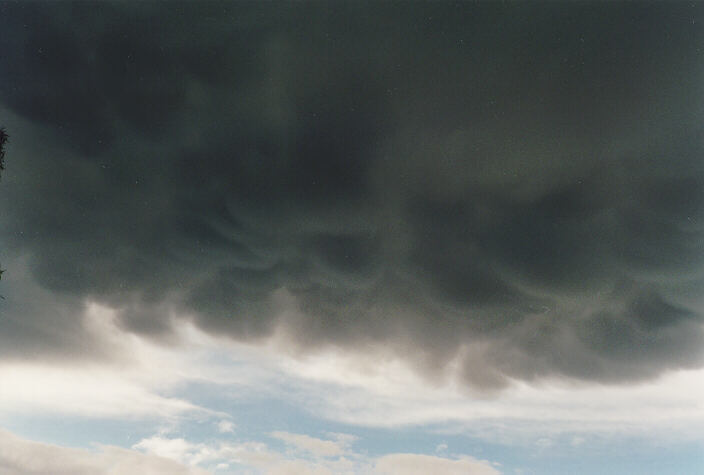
{"x":177,"y":449}
{"x":376,"y":391}
{"x":225,"y":426}
{"x":87,"y":390}
{"x":318,"y":447}
{"x":273,"y":463}
{"x":250,"y":454}
{"x":319,"y":457}
{"x":139,"y":380}
{"x":129,"y":385}
{"x":344,"y":439}
{"x":23,"y":457}
{"x":416,"y":464}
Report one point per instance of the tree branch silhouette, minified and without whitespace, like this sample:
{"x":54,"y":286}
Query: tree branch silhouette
{"x":3,"y":141}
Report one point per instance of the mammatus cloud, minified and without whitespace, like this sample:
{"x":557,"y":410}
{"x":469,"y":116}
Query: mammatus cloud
{"x":511,"y":192}
{"x":149,"y":382}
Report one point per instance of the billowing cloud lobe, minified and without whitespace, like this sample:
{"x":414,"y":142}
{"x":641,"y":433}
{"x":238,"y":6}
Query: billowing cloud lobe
{"x":518,"y":190}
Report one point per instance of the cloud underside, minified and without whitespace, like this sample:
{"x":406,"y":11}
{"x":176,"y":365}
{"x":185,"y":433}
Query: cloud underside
{"x":517,"y":191}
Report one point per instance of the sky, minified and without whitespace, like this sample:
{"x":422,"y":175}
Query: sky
{"x":352,"y":238}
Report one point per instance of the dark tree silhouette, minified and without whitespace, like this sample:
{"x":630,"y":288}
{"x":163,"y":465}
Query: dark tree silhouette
{"x":3,"y":141}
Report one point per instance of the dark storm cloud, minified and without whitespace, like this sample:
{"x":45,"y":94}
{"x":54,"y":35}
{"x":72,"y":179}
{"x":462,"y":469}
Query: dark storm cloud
{"x":516,"y":186}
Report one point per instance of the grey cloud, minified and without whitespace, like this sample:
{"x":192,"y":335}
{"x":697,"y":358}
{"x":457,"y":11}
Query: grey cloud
{"x":524,"y":181}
